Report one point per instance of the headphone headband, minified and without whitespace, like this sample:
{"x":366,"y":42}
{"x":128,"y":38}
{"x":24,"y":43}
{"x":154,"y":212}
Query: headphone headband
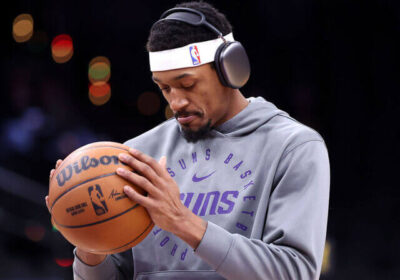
{"x":189,"y":16}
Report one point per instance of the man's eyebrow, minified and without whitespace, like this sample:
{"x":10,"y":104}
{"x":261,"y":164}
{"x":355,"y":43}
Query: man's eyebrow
{"x":181,"y":76}
{"x":184,"y":75}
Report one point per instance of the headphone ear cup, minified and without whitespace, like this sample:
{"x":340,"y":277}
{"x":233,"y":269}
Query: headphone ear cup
{"x":217,"y":64}
{"x":232,"y":64}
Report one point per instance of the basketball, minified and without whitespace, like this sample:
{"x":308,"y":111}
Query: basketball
{"x":88,"y":205}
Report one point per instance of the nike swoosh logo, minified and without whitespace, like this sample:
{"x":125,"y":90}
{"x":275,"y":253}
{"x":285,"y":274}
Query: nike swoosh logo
{"x":198,"y":179}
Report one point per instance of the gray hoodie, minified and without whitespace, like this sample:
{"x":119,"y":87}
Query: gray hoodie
{"x":261,"y":180}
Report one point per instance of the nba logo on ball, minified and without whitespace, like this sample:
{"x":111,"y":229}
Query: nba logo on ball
{"x":195,"y":55}
{"x":97,"y":198}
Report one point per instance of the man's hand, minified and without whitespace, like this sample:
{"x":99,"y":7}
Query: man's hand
{"x":87,"y":258}
{"x":163,"y":197}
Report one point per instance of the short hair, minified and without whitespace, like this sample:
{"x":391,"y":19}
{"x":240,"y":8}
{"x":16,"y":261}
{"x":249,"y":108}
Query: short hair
{"x":172,"y":34}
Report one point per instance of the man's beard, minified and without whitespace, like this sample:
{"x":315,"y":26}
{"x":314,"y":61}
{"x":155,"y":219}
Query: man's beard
{"x":195,"y":135}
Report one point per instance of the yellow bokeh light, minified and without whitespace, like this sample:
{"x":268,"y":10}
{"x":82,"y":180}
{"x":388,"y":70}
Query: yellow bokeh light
{"x":22,"y":29}
{"x":326,"y":261}
{"x":168,"y":112}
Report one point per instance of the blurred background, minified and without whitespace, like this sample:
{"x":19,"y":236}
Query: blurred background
{"x":74,"y":72}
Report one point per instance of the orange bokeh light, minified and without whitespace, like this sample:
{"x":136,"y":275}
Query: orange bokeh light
{"x":101,"y":100}
{"x":22,"y":28}
{"x":99,"y":89}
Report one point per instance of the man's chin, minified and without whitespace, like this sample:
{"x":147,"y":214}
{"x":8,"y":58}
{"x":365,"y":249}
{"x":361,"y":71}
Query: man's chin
{"x":193,"y":134}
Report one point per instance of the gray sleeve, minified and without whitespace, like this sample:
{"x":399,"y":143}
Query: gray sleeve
{"x":295,"y":228}
{"x":117,"y":266}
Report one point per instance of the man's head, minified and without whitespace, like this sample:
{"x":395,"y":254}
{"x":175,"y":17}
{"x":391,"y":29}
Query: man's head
{"x":195,"y":94}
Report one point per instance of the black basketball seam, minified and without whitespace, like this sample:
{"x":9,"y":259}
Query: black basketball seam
{"x":70,"y":189}
{"x":151,"y":224}
{"x":99,"y":222}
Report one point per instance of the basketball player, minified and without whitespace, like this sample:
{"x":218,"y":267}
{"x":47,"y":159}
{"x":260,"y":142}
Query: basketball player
{"x":241,"y":188}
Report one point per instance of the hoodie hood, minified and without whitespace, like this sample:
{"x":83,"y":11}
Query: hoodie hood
{"x":258,"y":112}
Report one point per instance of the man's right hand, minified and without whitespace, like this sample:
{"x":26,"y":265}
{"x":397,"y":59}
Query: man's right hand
{"x":86,"y":257}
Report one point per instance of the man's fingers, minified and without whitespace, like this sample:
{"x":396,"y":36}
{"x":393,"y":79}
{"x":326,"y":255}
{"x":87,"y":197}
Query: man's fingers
{"x":141,"y":167}
{"x":51,"y":173}
{"x":149,"y":161}
{"x":58,"y":163}
{"x":138,"y":180}
{"x":135,"y":196}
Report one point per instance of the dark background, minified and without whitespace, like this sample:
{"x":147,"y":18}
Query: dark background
{"x":332,"y":65}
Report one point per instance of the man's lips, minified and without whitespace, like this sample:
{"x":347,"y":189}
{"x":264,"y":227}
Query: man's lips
{"x":186,"y":119}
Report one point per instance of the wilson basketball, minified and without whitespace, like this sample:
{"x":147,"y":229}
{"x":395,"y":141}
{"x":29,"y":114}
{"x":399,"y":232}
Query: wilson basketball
{"x":88,"y":204}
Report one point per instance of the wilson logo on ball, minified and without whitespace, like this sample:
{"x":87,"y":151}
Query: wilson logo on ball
{"x":98,"y":201}
{"x":83,"y":163}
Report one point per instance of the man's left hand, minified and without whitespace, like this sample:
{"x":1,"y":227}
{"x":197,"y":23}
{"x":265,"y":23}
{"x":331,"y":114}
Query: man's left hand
{"x":163,"y":196}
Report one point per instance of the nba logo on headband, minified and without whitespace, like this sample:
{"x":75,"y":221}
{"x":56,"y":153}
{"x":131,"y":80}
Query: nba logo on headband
{"x":195,"y":55}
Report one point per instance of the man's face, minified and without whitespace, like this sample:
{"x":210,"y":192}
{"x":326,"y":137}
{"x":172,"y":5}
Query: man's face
{"x":197,"y":98}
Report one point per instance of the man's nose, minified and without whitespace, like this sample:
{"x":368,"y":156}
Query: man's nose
{"x":177,"y":101}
